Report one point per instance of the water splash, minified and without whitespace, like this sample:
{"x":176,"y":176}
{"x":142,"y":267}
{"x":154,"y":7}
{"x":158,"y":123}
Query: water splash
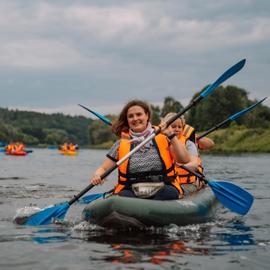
{"x":22,"y":214}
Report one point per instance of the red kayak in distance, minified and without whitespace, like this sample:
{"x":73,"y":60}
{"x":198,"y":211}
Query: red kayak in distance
{"x":22,"y":153}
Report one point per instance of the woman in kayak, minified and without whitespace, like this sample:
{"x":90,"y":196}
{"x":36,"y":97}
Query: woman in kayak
{"x":150,"y":172}
{"x":186,"y":134}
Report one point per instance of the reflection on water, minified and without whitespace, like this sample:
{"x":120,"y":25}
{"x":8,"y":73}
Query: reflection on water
{"x":141,"y":247}
{"x":238,"y":234}
{"x":50,"y":235}
{"x":164,"y":245}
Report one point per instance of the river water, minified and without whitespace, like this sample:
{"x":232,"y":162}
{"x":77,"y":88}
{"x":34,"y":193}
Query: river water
{"x":45,"y":177}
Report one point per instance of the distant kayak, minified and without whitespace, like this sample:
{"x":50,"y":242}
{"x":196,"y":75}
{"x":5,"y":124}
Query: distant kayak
{"x":17,"y":149}
{"x":123,"y":212}
{"x":69,"y":153}
{"x":22,"y":153}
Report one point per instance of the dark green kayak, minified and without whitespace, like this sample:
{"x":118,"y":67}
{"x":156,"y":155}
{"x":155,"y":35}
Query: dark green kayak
{"x":123,"y":212}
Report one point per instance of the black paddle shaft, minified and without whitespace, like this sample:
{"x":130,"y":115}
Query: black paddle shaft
{"x":90,"y":186}
{"x":223,"y":123}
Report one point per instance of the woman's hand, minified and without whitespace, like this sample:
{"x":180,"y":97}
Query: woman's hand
{"x":167,"y":131}
{"x":96,"y":180}
{"x":205,"y":143}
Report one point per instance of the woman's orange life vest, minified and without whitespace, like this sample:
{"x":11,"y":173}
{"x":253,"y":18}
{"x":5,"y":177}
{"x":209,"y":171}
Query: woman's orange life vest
{"x":162,"y":145}
{"x":183,"y":176}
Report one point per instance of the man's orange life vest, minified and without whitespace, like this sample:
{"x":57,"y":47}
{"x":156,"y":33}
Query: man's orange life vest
{"x":168,"y":174}
{"x":183,"y":176}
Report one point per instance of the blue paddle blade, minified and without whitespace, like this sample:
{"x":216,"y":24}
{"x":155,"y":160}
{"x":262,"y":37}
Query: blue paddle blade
{"x":226,"y":75}
{"x":91,"y":197}
{"x":236,"y":115}
{"x":47,"y":215}
{"x":232,"y":196}
{"x":100,"y":116}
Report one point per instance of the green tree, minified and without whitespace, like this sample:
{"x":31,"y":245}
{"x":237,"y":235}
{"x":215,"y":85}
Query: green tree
{"x":217,"y":107}
{"x":55,"y":136}
{"x":155,"y":114}
{"x":170,"y":105}
{"x":259,"y":118}
{"x":32,"y":128}
{"x":99,"y":132}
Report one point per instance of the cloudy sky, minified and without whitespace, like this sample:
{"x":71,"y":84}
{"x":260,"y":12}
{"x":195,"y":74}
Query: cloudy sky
{"x":56,"y":54}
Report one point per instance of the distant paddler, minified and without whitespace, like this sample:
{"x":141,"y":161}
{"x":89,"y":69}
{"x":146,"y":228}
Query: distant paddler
{"x":68,"y":149}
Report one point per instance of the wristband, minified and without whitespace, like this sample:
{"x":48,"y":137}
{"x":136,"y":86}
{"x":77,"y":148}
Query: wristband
{"x":171,"y":136}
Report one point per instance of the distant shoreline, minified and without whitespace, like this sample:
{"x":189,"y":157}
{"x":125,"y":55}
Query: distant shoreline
{"x":232,"y":140}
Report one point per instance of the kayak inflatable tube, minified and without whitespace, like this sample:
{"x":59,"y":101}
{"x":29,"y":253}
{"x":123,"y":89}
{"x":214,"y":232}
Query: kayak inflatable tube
{"x":17,"y":153}
{"x":122,"y":212}
{"x":69,"y":153}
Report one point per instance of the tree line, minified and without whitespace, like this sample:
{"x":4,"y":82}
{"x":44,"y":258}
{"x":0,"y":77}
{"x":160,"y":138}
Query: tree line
{"x":43,"y":129}
{"x":39,"y":129}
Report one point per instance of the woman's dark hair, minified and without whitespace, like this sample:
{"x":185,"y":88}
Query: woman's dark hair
{"x":121,"y":124}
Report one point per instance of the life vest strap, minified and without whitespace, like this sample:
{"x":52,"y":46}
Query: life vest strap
{"x":154,"y":179}
{"x":146,"y":174}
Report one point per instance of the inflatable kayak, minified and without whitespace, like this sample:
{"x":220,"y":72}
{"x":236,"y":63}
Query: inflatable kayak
{"x":69,"y":153}
{"x":123,"y":212}
{"x":19,"y":153}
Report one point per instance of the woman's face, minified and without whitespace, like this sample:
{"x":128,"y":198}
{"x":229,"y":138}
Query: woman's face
{"x":177,"y":127}
{"x":137,"y":118}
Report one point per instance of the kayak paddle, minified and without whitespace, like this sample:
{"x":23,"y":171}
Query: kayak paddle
{"x":47,"y":215}
{"x":230,"y":195}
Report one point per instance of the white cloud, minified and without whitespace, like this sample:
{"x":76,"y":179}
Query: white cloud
{"x":106,"y":23}
{"x":39,"y":53}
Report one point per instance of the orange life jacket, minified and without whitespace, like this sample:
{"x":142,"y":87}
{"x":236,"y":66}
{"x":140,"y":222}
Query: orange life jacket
{"x":19,"y":147}
{"x":183,"y":176}
{"x":9,"y":148}
{"x":64,"y":147}
{"x":72,"y":147}
{"x":167,"y":174}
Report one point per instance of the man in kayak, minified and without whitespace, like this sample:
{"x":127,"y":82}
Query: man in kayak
{"x":150,"y":172}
